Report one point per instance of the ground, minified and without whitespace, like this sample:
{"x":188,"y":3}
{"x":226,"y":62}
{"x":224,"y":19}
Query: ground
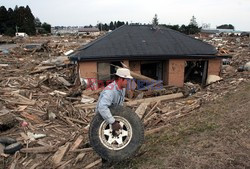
{"x":215,"y":136}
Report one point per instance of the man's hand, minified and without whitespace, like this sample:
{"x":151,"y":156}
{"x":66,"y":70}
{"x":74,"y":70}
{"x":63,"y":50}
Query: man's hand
{"x":116,"y":127}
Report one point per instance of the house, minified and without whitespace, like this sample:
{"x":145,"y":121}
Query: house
{"x":89,"y":31}
{"x":158,"y":53}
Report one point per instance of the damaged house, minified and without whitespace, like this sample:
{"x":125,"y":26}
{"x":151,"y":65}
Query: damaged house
{"x":159,"y":53}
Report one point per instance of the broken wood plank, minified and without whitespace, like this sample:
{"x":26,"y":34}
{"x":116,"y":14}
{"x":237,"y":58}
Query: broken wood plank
{"x":76,"y":120}
{"x":41,"y":69}
{"x":32,"y":117}
{"x":93,"y":164}
{"x":19,"y":102}
{"x":82,"y":150}
{"x":140,"y":111}
{"x":151,"y":111}
{"x":64,"y":81}
{"x":79,"y":158}
{"x":64,"y":165}
{"x":40,"y":149}
{"x":153,"y":99}
{"x":155,"y":130}
{"x":58,"y":156}
{"x":77,"y":143}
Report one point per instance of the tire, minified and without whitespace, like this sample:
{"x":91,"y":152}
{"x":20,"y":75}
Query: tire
{"x":7,"y":141}
{"x":131,"y":135}
{"x":12,"y":148}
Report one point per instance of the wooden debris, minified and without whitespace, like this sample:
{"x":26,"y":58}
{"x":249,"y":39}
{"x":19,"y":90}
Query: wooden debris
{"x":140,"y":111}
{"x":79,"y":158}
{"x":155,"y":130}
{"x":93,"y":164}
{"x":58,"y":156}
{"x":151,"y":111}
{"x":36,"y":150}
{"x":153,"y":99}
{"x":81,"y":150}
{"x":40,"y":69}
{"x":77,"y":143}
{"x":64,"y":165}
{"x":32,"y":117}
{"x":64,"y":81}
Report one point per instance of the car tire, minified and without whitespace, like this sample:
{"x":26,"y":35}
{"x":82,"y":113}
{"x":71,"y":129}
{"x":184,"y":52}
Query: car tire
{"x":126,"y":144}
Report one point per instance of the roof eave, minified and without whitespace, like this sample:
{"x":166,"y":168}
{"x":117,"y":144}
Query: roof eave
{"x":159,"y":57}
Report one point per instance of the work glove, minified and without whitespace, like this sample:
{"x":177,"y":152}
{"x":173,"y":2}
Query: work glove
{"x":116,"y":127}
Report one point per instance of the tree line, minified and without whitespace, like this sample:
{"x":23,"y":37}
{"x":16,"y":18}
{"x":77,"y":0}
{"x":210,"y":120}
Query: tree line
{"x":111,"y":26}
{"x":191,"y":28}
{"x":21,"y":19}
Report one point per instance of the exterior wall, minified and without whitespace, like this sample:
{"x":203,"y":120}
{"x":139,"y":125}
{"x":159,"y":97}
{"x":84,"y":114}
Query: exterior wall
{"x":214,"y":67}
{"x":88,"y":69}
{"x":135,"y":66}
{"x":175,"y":72}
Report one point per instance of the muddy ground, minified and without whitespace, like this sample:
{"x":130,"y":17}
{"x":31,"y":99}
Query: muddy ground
{"x":215,"y":136}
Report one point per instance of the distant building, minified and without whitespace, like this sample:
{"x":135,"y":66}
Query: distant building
{"x":89,"y":31}
{"x":21,"y":34}
{"x":216,"y":32}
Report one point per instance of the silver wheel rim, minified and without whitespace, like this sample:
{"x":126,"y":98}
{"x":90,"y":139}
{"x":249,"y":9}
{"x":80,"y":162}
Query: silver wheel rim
{"x":115,"y":142}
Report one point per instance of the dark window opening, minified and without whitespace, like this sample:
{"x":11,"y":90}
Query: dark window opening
{"x":196,"y":72}
{"x":152,"y":70}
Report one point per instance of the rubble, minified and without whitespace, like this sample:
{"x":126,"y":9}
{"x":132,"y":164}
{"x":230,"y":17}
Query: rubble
{"x":50,"y":114}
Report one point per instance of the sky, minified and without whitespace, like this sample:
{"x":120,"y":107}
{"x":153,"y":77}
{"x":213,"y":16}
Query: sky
{"x":86,"y":12}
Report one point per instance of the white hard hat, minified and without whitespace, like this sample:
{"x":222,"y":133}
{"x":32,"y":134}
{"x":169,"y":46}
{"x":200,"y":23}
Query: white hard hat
{"x":124,"y":73}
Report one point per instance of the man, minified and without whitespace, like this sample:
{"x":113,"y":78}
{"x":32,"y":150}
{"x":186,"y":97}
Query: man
{"x":113,"y":94}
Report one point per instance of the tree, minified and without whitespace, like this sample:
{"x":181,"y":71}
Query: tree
{"x":46,"y":27}
{"x":192,"y":28}
{"x":38,"y":23}
{"x":106,"y":27}
{"x":3,"y":19}
{"x":119,"y":24}
{"x":174,"y":27}
{"x":111,"y":26}
{"x":225,"y":26}
{"x":193,"y":21}
{"x":155,"y":20}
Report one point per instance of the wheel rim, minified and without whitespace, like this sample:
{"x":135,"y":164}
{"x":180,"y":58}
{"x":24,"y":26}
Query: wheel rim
{"x":115,"y":142}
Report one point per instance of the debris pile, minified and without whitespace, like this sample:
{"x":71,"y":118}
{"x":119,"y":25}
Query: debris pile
{"x":43,"y":108}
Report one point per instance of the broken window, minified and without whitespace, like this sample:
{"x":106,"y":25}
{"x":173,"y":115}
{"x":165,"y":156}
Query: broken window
{"x":196,"y":72}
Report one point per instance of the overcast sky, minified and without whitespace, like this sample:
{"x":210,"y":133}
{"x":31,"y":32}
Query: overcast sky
{"x":85,"y":12}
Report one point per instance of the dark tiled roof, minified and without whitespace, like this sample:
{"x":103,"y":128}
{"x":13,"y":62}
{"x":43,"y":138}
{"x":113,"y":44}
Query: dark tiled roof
{"x":144,"y":42}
